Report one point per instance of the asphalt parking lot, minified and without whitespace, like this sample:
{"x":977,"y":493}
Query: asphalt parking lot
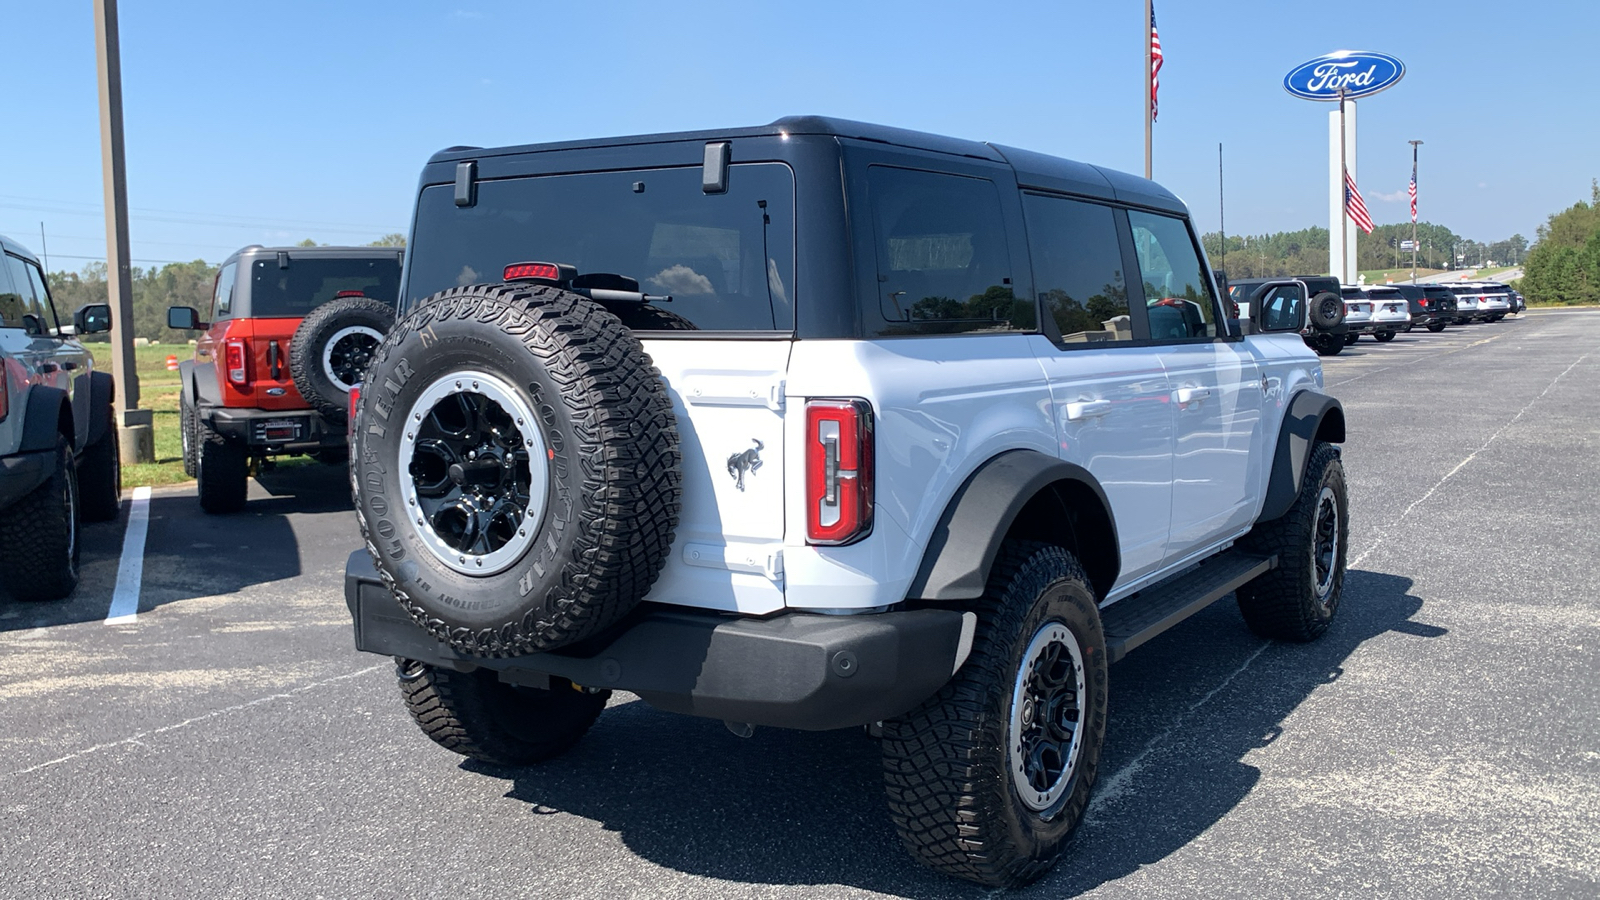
{"x":1442,"y":740}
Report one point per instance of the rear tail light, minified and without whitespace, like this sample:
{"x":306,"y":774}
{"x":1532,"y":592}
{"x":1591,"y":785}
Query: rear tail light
{"x":340,"y":295}
{"x":839,"y":462}
{"x":350,"y":420}
{"x":234,"y":359}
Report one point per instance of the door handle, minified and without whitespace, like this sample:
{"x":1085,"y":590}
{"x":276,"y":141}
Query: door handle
{"x":1192,"y":394}
{"x":1087,"y":409}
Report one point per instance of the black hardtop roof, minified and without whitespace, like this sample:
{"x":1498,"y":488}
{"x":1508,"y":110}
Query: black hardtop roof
{"x":1033,"y":170}
{"x":255,"y":250}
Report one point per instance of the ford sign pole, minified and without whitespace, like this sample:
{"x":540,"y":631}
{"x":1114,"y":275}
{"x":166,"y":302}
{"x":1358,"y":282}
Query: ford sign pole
{"x":1342,"y":77}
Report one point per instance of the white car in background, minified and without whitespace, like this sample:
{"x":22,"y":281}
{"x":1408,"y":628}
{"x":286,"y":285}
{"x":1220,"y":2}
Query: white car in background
{"x":1357,"y":313}
{"x":1495,"y":300}
{"x":1469,"y":303}
{"x":1391,"y":312}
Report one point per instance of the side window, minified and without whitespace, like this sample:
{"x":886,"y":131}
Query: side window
{"x":1176,"y":291}
{"x":10,"y":300}
{"x":1280,"y":309}
{"x":30,"y":307}
{"x":1077,"y":268}
{"x":222,"y":299}
{"x":41,"y":293}
{"x":943,"y":263}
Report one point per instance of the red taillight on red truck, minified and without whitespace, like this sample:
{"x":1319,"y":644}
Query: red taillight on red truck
{"x":838,"y":471}
{"x":234,"y":357}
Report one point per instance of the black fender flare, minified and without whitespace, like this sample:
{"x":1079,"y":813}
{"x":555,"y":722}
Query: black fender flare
{"x":961,"y":551}
{"x":45,"y":406}
{"x":1312,"y":416}
{"x":102,"y":392}
{"x":186,"y":377}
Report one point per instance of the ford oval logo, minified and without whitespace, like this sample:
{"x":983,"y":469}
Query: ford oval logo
{"x":1361,"y":73}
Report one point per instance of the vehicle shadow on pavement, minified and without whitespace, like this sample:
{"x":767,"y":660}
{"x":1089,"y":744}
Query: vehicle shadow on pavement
{"x":796,"y":808}
{"x":190,"y":554}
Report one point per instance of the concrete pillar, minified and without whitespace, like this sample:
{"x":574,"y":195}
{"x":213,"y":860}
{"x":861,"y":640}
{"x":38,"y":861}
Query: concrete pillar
{"x":1341,"y":230}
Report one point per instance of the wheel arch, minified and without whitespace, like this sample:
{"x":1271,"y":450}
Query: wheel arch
{"x":49,"y":413}
{"x":1312,"y":416}
{"x":1021,"y":494}
{"x":102,"y":395}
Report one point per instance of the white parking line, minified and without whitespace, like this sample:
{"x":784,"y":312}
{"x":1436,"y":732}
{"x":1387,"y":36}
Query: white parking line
{"x":130,"y":572}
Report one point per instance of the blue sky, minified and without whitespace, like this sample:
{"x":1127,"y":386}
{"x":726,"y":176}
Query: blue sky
{"x":276,"y":121}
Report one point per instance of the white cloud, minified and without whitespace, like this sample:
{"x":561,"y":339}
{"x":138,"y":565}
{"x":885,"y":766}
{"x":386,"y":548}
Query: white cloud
{"x":1395,"y":197}
{"x":682,"y":280}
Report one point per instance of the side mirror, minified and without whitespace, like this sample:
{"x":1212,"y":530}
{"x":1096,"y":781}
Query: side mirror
{"x":1280,"y":306}
{"x":92,"y":319}
{"x":184,"y":318}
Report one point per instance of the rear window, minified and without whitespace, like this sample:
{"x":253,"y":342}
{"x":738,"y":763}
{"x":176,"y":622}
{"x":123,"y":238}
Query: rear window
{"x":299,"y":284}
{"x":726,"y":260}
{"x":1352,"y":294}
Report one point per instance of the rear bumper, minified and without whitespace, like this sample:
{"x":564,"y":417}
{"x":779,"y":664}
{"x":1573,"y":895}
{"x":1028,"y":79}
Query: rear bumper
{"x":20,"y":473}
{"x":793,"y":670}
{"x":275,"y":431}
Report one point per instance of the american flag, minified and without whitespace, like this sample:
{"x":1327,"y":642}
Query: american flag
{"x":1413,"y":191}
{"x":1354,"y":206}
{"x":1155,"y":64}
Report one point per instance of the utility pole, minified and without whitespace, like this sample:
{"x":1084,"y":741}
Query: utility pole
{"x":133,"y":424}
{"x":1414,"y":146}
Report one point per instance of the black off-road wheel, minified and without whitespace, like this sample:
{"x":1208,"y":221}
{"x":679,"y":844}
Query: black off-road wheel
{"x":1351,"y":339}
{"x":1297,"y":600}
{"x":1327,"y":310}
{"x":186,"y":430}
{"x":516,"y":468}
{"x":481,"y":717}
{"x":100,"y":475}
{"x":1383,"y":337}
{"x":1436,"y":327}
{"x":332,"y":348}
{"x":39,"y":535}
{"x":1327,"y":344}
{"x":987,"y":779}
{"x":222,"y":468}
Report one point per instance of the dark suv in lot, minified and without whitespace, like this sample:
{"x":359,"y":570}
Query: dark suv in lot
{"x":58,"y":443}
{"x":1433,"y":306}
{"x":289,"y":331}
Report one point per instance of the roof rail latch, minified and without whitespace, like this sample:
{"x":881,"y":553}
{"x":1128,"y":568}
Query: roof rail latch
{"x":714,"y":174}
{"x":466,"y":183}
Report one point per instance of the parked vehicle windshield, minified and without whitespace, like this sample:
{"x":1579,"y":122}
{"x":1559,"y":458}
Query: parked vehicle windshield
{"x":726,"y":259}
{"x":307,"y":282}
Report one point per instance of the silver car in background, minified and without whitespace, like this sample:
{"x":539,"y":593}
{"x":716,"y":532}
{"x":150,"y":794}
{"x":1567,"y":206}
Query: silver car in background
{"x":1391,"y":311}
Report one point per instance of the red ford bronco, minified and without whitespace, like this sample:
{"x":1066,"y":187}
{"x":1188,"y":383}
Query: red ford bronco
{"x":289,"y":331}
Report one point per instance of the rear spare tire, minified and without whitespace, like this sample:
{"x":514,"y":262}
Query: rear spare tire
{"x":516,"y":468}
{"x":331,"y":349}
{"x":1327,"y":310}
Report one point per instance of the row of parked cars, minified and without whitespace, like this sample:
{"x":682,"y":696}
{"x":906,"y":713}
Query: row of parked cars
{"x":1383,"y":311}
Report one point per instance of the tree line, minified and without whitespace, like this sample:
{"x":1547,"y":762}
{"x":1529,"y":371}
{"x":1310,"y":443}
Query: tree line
{"x":1564,"y":265}
{"x":1305,"y":252}
{"x":154,"y":289}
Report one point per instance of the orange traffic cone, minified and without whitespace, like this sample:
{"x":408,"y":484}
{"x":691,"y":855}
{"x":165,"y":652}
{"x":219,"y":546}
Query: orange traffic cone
{"x":172,"y":363}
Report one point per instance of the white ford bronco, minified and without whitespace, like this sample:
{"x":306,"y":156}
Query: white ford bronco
{"x":825,"y":425}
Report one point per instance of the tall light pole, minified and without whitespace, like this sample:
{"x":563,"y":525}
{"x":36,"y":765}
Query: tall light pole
{"x":1414,"y":146}
{"x":133,"y":424}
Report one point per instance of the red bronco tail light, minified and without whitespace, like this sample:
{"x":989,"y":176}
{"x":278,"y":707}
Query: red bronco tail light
{"x":839,"y":458}
{"x":234,"y":358}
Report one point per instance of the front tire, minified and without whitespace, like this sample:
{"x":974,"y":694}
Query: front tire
{"x":39,"y":535}
{"x":186,"y":427}
{"x":1297,"y":600}
{"x":222,"y":468}
{"x":987,"y":779}
{"x":481,"y":717}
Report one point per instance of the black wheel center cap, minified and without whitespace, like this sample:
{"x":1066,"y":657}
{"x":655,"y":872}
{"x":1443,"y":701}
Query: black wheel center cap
{"x":485,"y":471}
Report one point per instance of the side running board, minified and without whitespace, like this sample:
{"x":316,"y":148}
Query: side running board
{"x":1135,"y":620}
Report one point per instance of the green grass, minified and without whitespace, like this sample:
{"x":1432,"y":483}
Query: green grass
{"x":1379,"y":276}
{"x":158,"y":391}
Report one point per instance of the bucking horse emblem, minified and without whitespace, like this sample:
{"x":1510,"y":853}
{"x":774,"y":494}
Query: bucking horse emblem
{"x":746,"y":461}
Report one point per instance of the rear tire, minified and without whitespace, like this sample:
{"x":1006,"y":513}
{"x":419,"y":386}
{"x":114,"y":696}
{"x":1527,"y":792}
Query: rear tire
{"x":222,"y":468}
{"x":479,"y":716}
{"x":988,"y":778}
{"x":1351,"y":339}
{"x":1384,"y":337}
{"x":39,"y":535}
{"x":332,"y":348}
{"x":100,"y":475}
{"x":1297,"y":600}
{"x":1436,"y":327}
{"x":1327,"y":344}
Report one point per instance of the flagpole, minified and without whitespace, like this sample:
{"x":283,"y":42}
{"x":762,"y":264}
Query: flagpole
{"x":1344,"y":194}
{"x":1148,"y":64}
{"x":1414,"y":145}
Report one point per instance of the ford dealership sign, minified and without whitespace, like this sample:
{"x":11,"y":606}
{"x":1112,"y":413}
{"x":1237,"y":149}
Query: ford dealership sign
{"x":1360,"y":73}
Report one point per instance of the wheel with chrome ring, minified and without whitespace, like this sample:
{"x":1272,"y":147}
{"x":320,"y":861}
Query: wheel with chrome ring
{"x":516,"y":468}
{"x":988,"y":778}
{"x":332,"y":348}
